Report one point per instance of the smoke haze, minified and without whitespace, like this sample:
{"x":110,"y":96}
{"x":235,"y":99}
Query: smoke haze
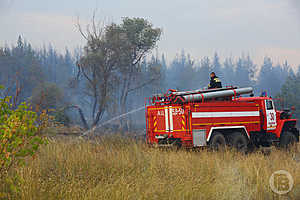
{"x":257,"y":27}
{"x":295,"y":4}
{"x":5,"y":5}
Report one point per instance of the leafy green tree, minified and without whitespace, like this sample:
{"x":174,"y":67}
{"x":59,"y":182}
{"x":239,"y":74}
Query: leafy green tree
{"x":217,"y":66}
{"x":204,"y":70}
{"x":48,"y":96}
{"x":229,"y":73}
{"x":290,"y":94}
{"x":112,"y":61}
{"x":271,"y":78}
{"x":138,"y":38}
{"x":20,"y":70}
{"x":244,"y":72}
{"x":182,"y":73}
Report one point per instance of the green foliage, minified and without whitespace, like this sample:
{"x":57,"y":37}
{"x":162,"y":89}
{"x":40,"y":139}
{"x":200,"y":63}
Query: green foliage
{"x":183,"y":70}
{"x":111,"y":64}
{"x":47,"y":96}
{"x":20,"y":68}
{"x":20,"y":130}
{"x":61,"y":117}
{"x":140,"y":35}
{"x":23,"y":67}
{"x":290,"y":94}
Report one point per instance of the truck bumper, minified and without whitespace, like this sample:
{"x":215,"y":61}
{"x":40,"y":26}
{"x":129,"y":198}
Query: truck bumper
{"x":167,"y":141}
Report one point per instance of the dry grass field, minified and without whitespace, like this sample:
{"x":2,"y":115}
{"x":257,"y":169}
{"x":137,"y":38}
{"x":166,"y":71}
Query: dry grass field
{"x":118,"y":168}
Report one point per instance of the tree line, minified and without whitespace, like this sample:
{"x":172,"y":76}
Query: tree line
{"x":118,"y":67}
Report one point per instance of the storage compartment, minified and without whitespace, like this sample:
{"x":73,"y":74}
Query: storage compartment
{"x":199,"y":137}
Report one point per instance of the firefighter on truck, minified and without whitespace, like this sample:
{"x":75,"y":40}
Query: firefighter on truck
{"x":215,"y":82}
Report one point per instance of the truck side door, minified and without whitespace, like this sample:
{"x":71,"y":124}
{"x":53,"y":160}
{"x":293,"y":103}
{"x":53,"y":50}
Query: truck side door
{"x":270,"y":115}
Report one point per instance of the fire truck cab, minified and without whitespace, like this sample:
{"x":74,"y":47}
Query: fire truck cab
{"x":216,"y":118}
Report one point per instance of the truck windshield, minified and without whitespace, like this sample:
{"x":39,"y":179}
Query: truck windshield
{"x":269,"y":105}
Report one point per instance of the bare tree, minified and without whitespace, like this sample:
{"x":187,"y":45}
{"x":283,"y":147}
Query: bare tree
{"x":98,"y":65}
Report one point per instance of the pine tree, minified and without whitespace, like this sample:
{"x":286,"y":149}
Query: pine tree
{"x":217,"y":67}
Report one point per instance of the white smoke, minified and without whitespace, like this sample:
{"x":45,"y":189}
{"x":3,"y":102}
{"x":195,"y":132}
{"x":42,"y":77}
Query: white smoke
{"x":5,"y":6}
{"x":295,"y":4}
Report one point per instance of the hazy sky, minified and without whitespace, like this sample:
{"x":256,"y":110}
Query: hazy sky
{"x":230,"y":27}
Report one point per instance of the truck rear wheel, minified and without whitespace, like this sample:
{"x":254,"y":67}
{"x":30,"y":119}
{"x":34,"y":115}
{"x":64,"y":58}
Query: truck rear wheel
{"x":217,"y":141}
{"x":239,"y":141}
{"x":287,"y":139}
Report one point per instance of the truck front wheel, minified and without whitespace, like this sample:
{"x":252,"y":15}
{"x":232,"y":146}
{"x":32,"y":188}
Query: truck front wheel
{"x":217,"y":141}
{"x":287,"y":139}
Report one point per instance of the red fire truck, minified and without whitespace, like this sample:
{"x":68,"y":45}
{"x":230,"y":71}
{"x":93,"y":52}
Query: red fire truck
{"x":218,"y":117}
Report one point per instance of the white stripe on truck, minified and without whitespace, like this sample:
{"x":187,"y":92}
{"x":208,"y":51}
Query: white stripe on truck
{"x":171,"y":118}
{"x":167,"y":119}
{"x":225,"y":114}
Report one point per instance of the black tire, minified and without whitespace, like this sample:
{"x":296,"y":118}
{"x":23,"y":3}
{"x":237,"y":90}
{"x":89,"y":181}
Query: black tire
{"x":217,"y":142}
{"x":239,"y":141}
{"x":287,"y":139}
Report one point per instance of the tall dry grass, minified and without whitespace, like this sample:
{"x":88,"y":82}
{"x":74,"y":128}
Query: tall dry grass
{"x":118,"y":168}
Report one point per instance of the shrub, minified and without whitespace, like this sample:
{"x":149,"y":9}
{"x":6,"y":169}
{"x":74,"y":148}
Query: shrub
{"x":20,"y":134}
{"x":61,"y":117}
{"x":48,"y":96}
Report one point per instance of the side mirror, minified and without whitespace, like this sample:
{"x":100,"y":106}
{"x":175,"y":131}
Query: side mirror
{"x":293,"y":108}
